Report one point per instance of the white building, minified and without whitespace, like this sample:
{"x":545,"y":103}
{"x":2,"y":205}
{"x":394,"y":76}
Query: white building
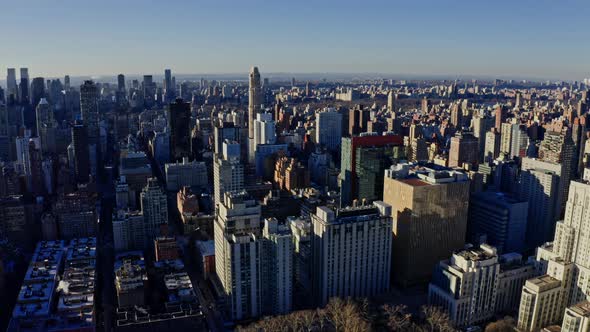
{"x":154,"y":206}
{"x":264,"y":133}
{"x":351,"y":250}
{"x":566,"y":264}
{"x":328,"y":129}
{"x":277,"y":268}
{"x":228,"y":171}
{"x":129,"y":231}
{"x":190,"y":174}
{"x":470,"y":285}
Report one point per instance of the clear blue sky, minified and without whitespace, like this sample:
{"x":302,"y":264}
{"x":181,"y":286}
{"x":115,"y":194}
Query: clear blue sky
{"x":518,"y":38}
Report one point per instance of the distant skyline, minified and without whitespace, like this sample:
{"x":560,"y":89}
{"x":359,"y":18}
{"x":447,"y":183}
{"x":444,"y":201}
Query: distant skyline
{"x":530,"y":39}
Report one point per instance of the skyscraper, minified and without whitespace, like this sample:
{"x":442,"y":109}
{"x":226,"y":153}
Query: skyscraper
{"x":179,"y":117}
{"x":328,"y":129}
{"x":169,"y":88}
{"x":89,"y":110}
{"x":363,"y":160}
{"x":121,"y":82}
{"x":24,"y":86}
{"x":254,"y":99}
{"x":429,"y":210}
{"x":46,"y":126}
{"x":81,"y":152}
{"x":154,"y":206}
{"x":11,"y":85}
{"x":351,"y":250}
{"x":37,"y":90}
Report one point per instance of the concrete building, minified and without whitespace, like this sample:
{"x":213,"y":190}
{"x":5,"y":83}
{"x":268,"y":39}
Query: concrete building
{"x":76,"y":214}
{"x":577,"y":318}
{"x":430,"y":211}
{"x":154,"y":206}
{"x":501,"y":218}
{"x":468,"y":286}
{"x":565,"y":265}
{"x":179,"y":119}
{"x":254,"y":99}
{"x":130,"y":279}
{"x":328,"y":129}
{"x":277,"y":268}
{"x":464,"y":150}
{"x":228,"y":171}
{"x":264,"y":133}
{"x":290,"y":174}
{"x":492,"y":145}
{"x":89,"y":96}
{"x":351,"y":250}
{"x":192,"y":174}
{"x":129,"y":231}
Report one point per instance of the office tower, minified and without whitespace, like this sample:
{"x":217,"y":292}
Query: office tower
{"x":500,"y":114}
{"x":264,"y":133}
{"x":46,"y":127}
{"x":37,"y":90}
{"x":129,"y":231}
{"x":24,"y":86}
{"x":238,"y":254}
{"x":34,"y":171}
{"x":357,"y":120}
{"x":89,"y":109}
{"x":122,"y":194}
{"x":430,"y":211}
{"x":351,"y":250}
{"x":154,"y":206}
{"x":228,"y":171}
{"x":81,"y":152}
{"x":501,"y":218}
{"x":254,"y":99}
{"x":13,"y":214}
{"x":149,"y":91}
{"x":67,"y":82}
{"x":191,"y":174}
{"x":277,"y":268}
{"x":169,"y":86}
{"x":391,"y":98}
{"x":506,"y":137}
{"x":566,"y":264}
{"x":224,"y":131}
{"x":363,"y":160}
{"x":476,"y":284}
{"x":318,"y":165}
{"x":121,"y":82}
{"x":131,"y":280}
{"x":464,"y":150}
{"x":11,"y":85}
{"x":160,"y":146}
{"x":179,"y":118}
{"x":328,"y":129}
{"x":425,"y":105}
{"x":492,"y":146}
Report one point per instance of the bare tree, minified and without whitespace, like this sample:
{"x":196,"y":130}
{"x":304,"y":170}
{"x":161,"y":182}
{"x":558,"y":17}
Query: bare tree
{"x":397,"y":317}
{"x":437,"y":320}
{"x":507,"y":324}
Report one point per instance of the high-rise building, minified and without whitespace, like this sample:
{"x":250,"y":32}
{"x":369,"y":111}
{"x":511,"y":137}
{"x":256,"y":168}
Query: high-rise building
{"x":11,"y":85}
{"x":264,"y":133}
{"x":238,"y":254}
{"x":89,"y":109}
{"x":121,"y":82}
{"x":500,"y":114}
{"x":254,"y":99}
{"x":24,"y":95}
{"x":481,"y":124}
{"x":363,"y":160}
{"x":477,"y":283}
{"x":391,"y":98}
{"x":169,"y":88}
{"x":492,"y":146}
{"x":179,"y":117}
{"x":46,"y":126}
{"x":328,"y":129}
{"x":519,"y":141}
{"x":501,"y":218}
{"x":464,"y":150}
{"x":277,"y":268}
{"x":154,"y":206}
{"x":430,"y":211}
{"x":565,"y":264}
{"x":37,"y":90}
{"x":351,"y":250}
{"x":224,"y":131}
{"x":81,"y":152}
{"x":129,"y":231}
{"x":358,"y":120}
{"x":228,"y":171}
